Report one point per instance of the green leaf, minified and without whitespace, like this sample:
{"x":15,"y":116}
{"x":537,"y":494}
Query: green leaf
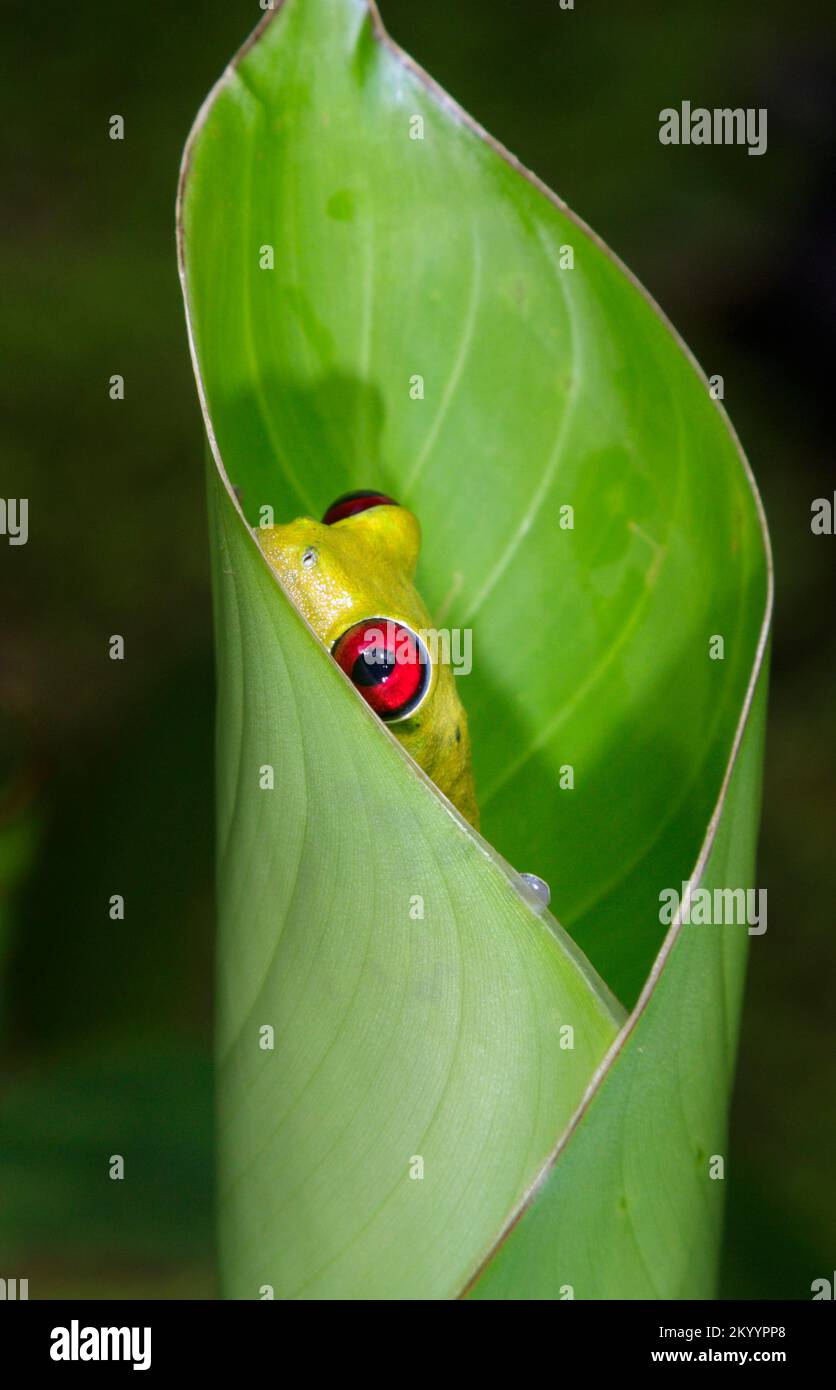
{"x":603,"y":729}
{"x":648,"y":1225}
{"x":395,"y":1038}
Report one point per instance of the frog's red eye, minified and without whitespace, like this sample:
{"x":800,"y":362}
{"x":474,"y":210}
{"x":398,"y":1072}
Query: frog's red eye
{"x":353,"y":502}
{"x":388,"y":663}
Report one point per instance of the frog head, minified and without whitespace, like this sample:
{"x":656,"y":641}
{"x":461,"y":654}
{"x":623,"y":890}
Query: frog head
{"x":351,"y":576}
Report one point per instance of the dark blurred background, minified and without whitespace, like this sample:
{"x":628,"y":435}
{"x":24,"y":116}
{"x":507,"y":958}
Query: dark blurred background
{"x":106,"y":1023}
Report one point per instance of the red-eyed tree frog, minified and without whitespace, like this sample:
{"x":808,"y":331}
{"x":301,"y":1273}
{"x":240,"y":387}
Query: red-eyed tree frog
{"x":351,"y":576}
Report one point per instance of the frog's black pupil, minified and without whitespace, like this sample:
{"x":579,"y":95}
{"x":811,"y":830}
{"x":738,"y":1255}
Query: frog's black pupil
{"x":373,"y":667}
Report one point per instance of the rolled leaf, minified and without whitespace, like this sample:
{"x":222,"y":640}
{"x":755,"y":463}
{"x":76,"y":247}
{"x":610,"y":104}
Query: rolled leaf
{"x":426,"y":1085}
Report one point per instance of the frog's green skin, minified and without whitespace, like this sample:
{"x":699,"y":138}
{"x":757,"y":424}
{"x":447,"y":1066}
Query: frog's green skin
{"x":364,"y":568}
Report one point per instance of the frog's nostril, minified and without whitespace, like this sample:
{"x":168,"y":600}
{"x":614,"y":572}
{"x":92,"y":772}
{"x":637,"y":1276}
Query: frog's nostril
{"x":351,"y":503}
{"x":310,"y":555}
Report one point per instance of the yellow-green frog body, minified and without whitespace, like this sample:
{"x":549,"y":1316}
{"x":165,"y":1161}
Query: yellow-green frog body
{"x":351,"y":576}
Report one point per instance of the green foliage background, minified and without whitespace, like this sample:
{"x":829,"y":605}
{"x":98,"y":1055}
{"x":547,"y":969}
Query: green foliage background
{"x":107,"y":1025}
